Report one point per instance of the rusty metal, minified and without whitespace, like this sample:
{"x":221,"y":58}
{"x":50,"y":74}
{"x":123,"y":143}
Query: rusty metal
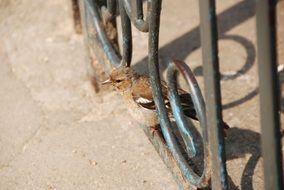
{"x":209,"y":40}
{"x":177,"y":144}
{"x":95,"y":15}
{"x":269,"y":93}
{"x":126,"y":36}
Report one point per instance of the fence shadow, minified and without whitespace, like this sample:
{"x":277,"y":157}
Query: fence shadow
{"x":190,"y":41}
{"x":241,"y":142}
{"x":184,"y":45}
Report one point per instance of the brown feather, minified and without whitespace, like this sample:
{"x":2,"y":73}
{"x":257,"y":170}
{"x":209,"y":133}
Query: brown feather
{"x":142,"y":89}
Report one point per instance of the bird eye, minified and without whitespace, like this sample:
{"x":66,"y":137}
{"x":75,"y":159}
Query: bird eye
{"x":118,"y":81}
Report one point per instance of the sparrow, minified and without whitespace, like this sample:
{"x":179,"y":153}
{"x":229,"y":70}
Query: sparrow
{"x":136,"y":91}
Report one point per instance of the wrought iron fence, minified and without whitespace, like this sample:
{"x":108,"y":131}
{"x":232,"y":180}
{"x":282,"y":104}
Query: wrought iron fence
{"x":99,"y":24}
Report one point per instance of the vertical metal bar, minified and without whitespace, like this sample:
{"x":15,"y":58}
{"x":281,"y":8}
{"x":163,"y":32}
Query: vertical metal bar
{"x":209,"y":40}
{"x":126,"y":35}
{"x":268,"y":88}
{"x":153,"y":67}
{"x":139,"y":9}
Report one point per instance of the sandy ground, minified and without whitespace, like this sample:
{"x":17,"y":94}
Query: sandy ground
{"x":56,"y":133}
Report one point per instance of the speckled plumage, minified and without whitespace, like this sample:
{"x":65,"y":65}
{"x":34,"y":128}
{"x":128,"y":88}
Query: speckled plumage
{"x":137,"y":94}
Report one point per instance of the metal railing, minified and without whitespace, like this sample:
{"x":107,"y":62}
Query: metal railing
{"x":99,"y":23}
{"x":269,"y":93}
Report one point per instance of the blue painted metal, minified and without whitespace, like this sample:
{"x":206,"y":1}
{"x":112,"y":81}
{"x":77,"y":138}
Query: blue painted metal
{"x":209,"y":40}
{"x":99,"y":14}
{"x":171,"y":150}
{"x":126,"y":36}
{"x":134,"y":10}
{"x":269,"y":93}
{"x":153,"y":67}
{"x":197,"y":98}
{"x":94,"y":21}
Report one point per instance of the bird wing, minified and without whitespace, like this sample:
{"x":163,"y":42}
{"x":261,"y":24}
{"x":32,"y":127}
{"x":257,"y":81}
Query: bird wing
{"x":142,"y":94}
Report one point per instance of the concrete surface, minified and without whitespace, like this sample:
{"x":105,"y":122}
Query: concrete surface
{"x":56,"y":133}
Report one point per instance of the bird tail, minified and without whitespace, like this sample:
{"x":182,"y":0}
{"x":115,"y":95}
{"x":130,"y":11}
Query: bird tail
{"x":189,"y":110}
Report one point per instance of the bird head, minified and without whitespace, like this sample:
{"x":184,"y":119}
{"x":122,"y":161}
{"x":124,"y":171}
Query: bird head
{"x":121,"y":78}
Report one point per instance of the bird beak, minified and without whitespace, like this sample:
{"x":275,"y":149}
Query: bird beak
{"x":108,"y":81}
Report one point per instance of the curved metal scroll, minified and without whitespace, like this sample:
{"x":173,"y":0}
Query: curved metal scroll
{"x":129,"y":12}
{"x":134,"y":10}
{"x":198,"y":101}
{"x":171,"y":153}
{"x":153,"y":65}
{"x":92,"y":15}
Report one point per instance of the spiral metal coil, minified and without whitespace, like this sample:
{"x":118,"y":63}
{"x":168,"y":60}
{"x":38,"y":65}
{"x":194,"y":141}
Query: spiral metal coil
{"x":96,"y":14}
